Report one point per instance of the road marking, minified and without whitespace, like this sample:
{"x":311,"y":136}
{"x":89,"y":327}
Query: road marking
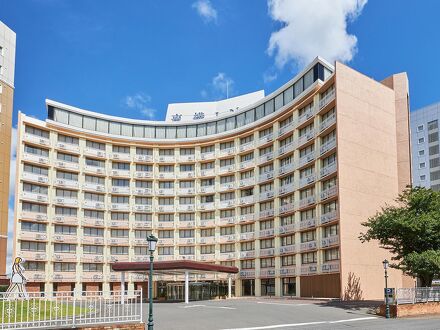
{"x":281,"y":304}
{"x":219,"y":307}
{"x":277,"y":326}
{"x":192,"y":306}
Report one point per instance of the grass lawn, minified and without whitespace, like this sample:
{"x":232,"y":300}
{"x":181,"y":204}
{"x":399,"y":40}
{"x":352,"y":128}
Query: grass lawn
{"x":36,"y":310}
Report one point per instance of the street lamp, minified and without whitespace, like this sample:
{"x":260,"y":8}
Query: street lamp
{"x":387,"y":305}
{"x":152,"y":242}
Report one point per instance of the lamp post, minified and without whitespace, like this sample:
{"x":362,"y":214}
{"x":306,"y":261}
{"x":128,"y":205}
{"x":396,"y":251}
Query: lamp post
{"x":387,"y":305}
{"x":152,"y":241}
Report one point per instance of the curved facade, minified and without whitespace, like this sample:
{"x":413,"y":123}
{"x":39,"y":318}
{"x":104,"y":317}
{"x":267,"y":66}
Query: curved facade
{"x":259,"y":189}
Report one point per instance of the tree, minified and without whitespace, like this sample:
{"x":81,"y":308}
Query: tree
{"x":410,"y":230}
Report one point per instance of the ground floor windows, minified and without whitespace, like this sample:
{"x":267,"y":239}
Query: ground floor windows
{"x":268,"y":287}
{"x":289,"y":286}
{"x":248,"y":287}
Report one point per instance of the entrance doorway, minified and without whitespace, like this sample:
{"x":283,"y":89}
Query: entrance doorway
{"x":248,"y":287}
{"x":268,"y":287}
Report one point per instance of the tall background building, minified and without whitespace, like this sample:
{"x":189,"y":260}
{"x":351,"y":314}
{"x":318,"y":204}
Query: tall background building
{"x":425,"y":143}
{"x":7,"y":67}
{"x":276,"y":185}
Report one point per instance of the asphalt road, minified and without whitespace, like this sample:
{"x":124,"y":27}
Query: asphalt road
{"x":261,"y":314}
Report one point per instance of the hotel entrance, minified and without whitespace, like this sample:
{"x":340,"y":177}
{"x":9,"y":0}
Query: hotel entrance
{"x":175,"y":291}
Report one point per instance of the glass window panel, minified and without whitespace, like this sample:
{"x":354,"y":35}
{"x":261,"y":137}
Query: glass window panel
{"x":241,"y":119}
{"x":160,"y":132}
{"x":250,"y":116}
{"x":127,"y":129}
{"x":268,"y":107}
{"x":279,"y":101}
{"x":181,"y":131}
{"x":298,"y":87}
{"x":221,"y":126}
{"x":102,"y":125}
{"x":61,"y":116}
{"x":138,"y":131}
{"x":191,"y":131}
{"x":308,"y":79}
{"x":149,"y":132}
{"x":90,"y":123}
{"x":171,"y":132}
{"x":115,"y":128}
{"x":230,"y":123}
{"x":201,"y":130}
{"x":288,"y":95}
{"x":259,"y":112}
{"x":211,"y":128}
{"x":75,"y":120}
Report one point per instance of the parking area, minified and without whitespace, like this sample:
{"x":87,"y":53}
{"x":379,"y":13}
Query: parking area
{"x":256,"y":314}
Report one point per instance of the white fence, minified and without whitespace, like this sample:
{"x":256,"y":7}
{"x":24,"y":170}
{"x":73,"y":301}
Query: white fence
{"x":68,"y":309}
{"x":417,"y":295}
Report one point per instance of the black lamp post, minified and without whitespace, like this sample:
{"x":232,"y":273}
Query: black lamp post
{"x":387,"y":305}
{"x":152,"y":241}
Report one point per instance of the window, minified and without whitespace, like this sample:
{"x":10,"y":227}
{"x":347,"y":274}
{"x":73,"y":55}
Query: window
{"x":95,"y":145}
{"x":33,"y":246}
{"x":288,"y":260}
{"x":421,"y":152}
{"x":207,"y":249}
{"x":34,"y":188}
{"x":166,"y":250}
{"x":68,"y":211}
{"x":121,"y":166}
{"x":422,"y":177}
{"x":118,"y":233}
{"x":64,"y":267}
{"x":121,"y":149}
{"x":267,"y":262}
{"x":36,"y":131}
{"x":68,"y":139}
{"x":433,"y":125}
{"x":421,"y":140}
{"x":34,"y":266}
{"x":67,"y":176}
{"x":119,"y":250}
{"x":166,"y":234}
{"x":93,"y":232}
{"x":248,"y":264}
{"x":67,"y":157}
{"x":422,"y":165}
{"x":145,"y":217}
{"x":35,"y":208}
{"x":64,"y":248}
{"x":93,"y":249}
{"x":288,"y":240}
{"x":92,"y":267}
{"x":267,"y":243}
{"x":419,"y":128}
{"x":66,"y":193}
{"x":94,"y":214}
{"x":35,"y":169}
{"x":33,"y":227}
{"x":309,"y":258}
{"x":65,"y":230}
{"x":186,"y":250}
{"x":36,"y":151}
{"x":331,"y":254}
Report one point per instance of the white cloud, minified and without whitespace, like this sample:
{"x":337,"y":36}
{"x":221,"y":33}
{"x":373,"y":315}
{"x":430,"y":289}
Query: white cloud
{"x":269,"y":76}
{"x":205,"y":10}
{"x":220,"y":87}
{"x":313,"y":28}
{"x":141,"y":102}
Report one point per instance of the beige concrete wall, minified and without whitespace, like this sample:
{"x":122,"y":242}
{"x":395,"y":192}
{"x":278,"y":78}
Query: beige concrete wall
{"x":368,"y":174}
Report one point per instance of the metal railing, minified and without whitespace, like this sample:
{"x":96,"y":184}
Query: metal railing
{"x":39,"y":310}
{"x":417,"y":295}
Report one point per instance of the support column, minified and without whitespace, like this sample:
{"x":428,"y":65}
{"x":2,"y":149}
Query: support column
{"x":122,"y":287}
{"x":229,"y":287}
{"x":186,"y":287}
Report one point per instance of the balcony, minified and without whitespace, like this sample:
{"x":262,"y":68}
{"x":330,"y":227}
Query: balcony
{"x":226,"y":152}
{"x":168,"y":257}
{"x":246,"y":182}
{"x":247,"y":273}
{"x":67,"y":147}
{"x":60,"y":238}
{"x":263,"y":196}
{"x":99,"y":258}
{"x":327,"y":99}
{"x":307,"y":201}
{"x":290,"y":228}
{"x":186,"y":224}
{"x":143,"y":174}
{"x":143,"y":208}
{"x":119,"y":224}
{"x":93,"y":222}
{"x":267,"y":157}
{"x":265,"y":139}
{"x":33,"y":255}
{"x":307,"y":223}
{"x":186,"y":207}
{"x":227,"y":204}
{"x":288,"y":188}
{"x":186,"y":191}
{"x":288,"y":271}
{"x":310,"y":135}
{"x":36,"y":139}
{"x":64,"y":257}
{"x":266,"y":176}
{"x":64,"y":201}
{"x":327,"y":146}
{"x":119,"y":258}
{"x":267,"y":272}
{"x":329,"y":169}
{"x":207,"y":156}
{"x":207,"y":240}
{"x":143,"y":158}
{"x":267,"y":213}
{"x":187,"y":158}
{"x":35,"y":158}
{"x":67,"y":165}
{"x":227,"y":256}
{"x":286,"y":129}
{"x":165,"y":241}
{"x":140,"y":242}
{"x":120,"y":156}
{"x":166,"y":175}
{"x":227,"y":238}
{"x":66,"y":183}
{"x":124,"y":241}
{"x":309,"y":269}
{"x":246,"y":165}
{"x":32,"y":236}
{"x":66,"y":220}
{"x":206,"y":206}
{"x":165,"y":224}
{"x":120,"y":173}
{"x":287,"y":148}
{"x":119,"y":207}
{"x":329,"y":192}
{"x":207,"y":257}
{"x":92,"y":240}
{"x":26,"y":176}
{"x":247,"y":236}
{"x":94,"y":152}
{"x":34,"y":197}
{"x":227,"y":186}
{"x":286,"y":169}
{"x":165,"y":192}
{"x":94,"y":170}
{"x":142,"y":191}
{"x":186,"y":174}
{"x":329,"y":217}
{"x":330,"y":267}
{"x":305,"y":181}
{"x":267,"y":252}
{"x":88,"y":204}
{"x":247,"y":217}
{"x":227,"y":221}
{"x":35,"y":276}
{"x":307,"y":159}
{"x":285,"y":208}
{"x":226,"y":169}
{"x":266,"y":233}
{"x":166,"y":159}
{"x":308,"y":246}
{"x":207,"y":223}
{"x":247,"y":200}
{"x":141,"y":258}
{"x":328,"y":122}
{"x":92,"y":277}
{"x":247,"y":254}
{"x":64,"y":277}
{"x":288,"y":249}
{"x":210,"y":172}
{"x":247,"y":146}
{"x":306,"y":116}
{"x":94,"y":187}
{"x":143,"y":224}
{"x":329,"y":241}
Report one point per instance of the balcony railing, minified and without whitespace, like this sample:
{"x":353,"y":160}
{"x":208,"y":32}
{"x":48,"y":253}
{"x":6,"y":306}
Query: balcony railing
{"x":72,"y":202}
{"x":267,"y":213}
{"x":207,"y":240}
{"x":68,"y":147}
{"x":141,"y":258}
{"x":266,"y":233}
{"x":329,"y":217}
{"x":60,"y":238}
{"x":166,"y":159}
{"x":94,"y":152}
{"x":206,"y":206}
{"x":64,"y":257}
{"x":93,"y":222}
{"x":266,"y":176}
{"x":120,"y":156}
{"x":329,"y":169}
{"x":92,"y":276}
{"x":226,"y":169}
{"x":289,"y":207}
{"x":207,"y":257}
{"x":227,"y":204}
{"x":307,"y":201}
{"x":307,"y":223}
{"x":143,"y":191}
{"x":165,"y":224}
{"x":119,"y":224}
{"x":247,"y":200}
{"x":247,"y":273}
{"x":143,"y":174}
{"x":66,"y":183}
{"x":187,"y":158}
{"x":226,"y":152}
{"x":94,"y":169}
{"x":26,"y":176}
{"x":310,"y":135}
{"x":227,"y":186}
{"x":34,"y":197}
{"x":120,"y":207}
{"x":207,"y":189}
{"x":330,"y":241}
{"x":330,"y":267}
{"x":67,"y":165}
{"x":265,"y":139}
{"x":286,"y":229}
{"x":247,"y":217}
{"x":120,"y":173}
{"x":288,"y":249}
{"x":66,"y":219}
{"x":186,"y":174}
{"x":35,"y":276}
{"x":247,"y":236}
{"x":286,"y":129}
{"x":246,"y":165}
{"x":247,"y":254}
{"x":247,"y":146}
{"x":307,"y":246}
{"x":33,"y":255}
{"x":166,"y":175}
{"x":227,"y":238}
{"x":99,"y":258}
{"x":327,"y":146}
{"x":327,"y":99}
{"x":186,"y":191}
{"x":288,"y":271}
{"x":286,"y":148}
{"x":288,"y":188}
{"x":207,"y":223}
{"x":267,"y":252}
{"x":165,"y":257}
{"x":308,"y":158}
{"x":36,"y":139}
{"x":186,"y":207}
{"x":143,"y":224}
{"x":329,"y":121}
{"x":124,"y":241}
{"x":306,"y":116}
{"x":329,"y":192}
{"x":309,"y":269}
{"x":186,"y":224}
{"x":227,"y":256}
{"x":165,"y":192}
{"x":307,"y":180}
{"x":166,"y":241}
{"x":92,"y":240}
{"x":32,"y":236}
{"x":265,"y":158}
{"x":143,"y":207}
{"x":143,"y":158}
{"x":165,"y":208}
{"x":266,"y":195}
{"x":35,"y":158}
{"x":94,"y":187}
{"x":64,"y":277}
{"x":207,"y":155}
{"x":246,"y":182}
{"x":267,"y":272}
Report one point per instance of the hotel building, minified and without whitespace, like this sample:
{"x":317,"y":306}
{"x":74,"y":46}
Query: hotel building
{"x":425,"y":142}
{"x":276,"y":185}
{"x":7,"y":67}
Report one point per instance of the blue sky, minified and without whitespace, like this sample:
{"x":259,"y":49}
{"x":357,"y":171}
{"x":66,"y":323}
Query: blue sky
{"x":132,"y":58}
